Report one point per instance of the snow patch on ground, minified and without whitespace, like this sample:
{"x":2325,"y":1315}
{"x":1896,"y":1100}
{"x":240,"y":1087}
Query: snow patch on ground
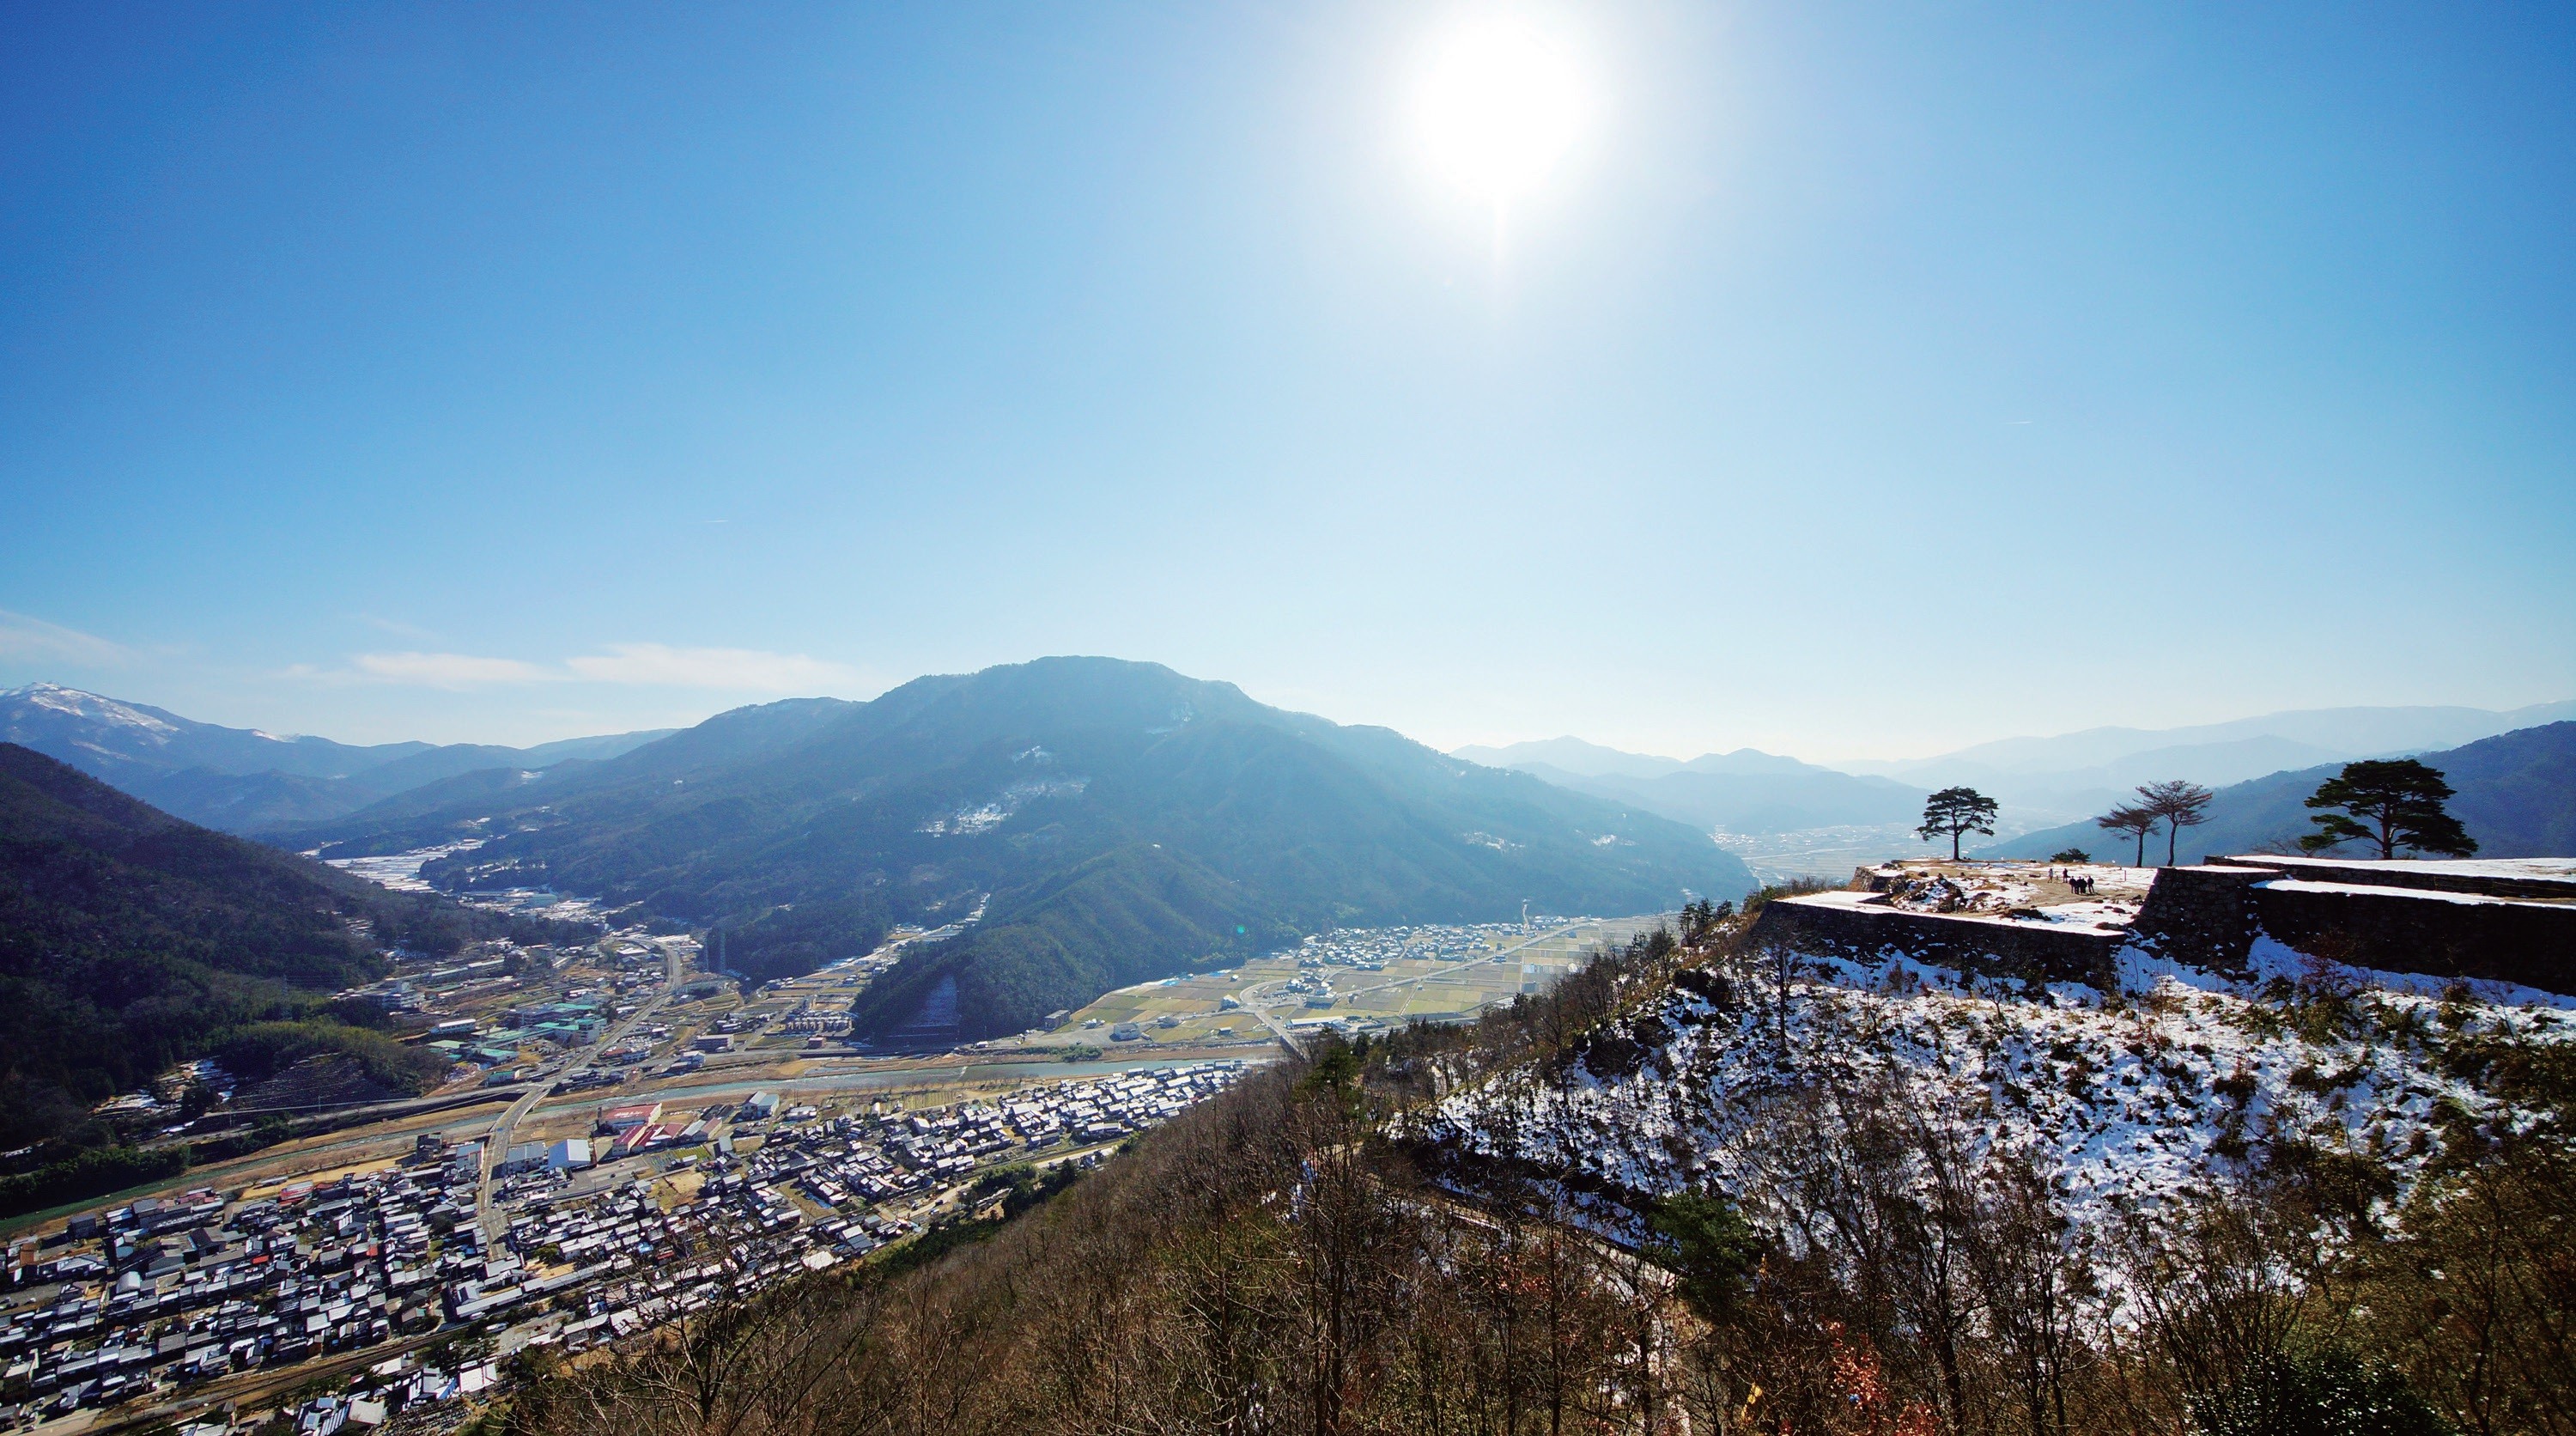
{"x":2120,"y":1103}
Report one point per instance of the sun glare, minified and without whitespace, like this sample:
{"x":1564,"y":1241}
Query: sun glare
{"x":1498,"y":109}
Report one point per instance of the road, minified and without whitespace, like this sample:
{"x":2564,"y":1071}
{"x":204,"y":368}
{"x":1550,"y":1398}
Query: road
{"x":496,"y":1145}
{"x":1277,"y":1028}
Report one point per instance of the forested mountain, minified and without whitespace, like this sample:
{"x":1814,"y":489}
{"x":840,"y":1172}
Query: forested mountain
{"x":129,"y":939}
{"x":1126,"y":822}
{"x":2517,"y":797}
{"x":245,"y":781}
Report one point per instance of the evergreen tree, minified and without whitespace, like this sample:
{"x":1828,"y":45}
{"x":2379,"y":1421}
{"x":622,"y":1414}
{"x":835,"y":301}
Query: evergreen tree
{"x":2135,"y":821}
{"x":2396,"y":803}
{"x":2328,"y":1393}
{"x":2181,"y":804}
{"x":1708,"y":1246}
{"x":1956,"y":812}
{"x":1700,"y":920}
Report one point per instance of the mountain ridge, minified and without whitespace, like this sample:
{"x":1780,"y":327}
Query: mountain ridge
{"x":245,"y":780}
{"x":2516,"y":796}
{"x":1745,"y":791}
{"x":805,"y":831}
{"x":2041,"y":781}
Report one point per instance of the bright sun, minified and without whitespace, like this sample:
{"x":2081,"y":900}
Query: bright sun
{"x":1498,"y":109}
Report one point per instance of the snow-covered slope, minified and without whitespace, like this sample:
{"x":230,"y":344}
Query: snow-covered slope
{"x":2116,"y":1104}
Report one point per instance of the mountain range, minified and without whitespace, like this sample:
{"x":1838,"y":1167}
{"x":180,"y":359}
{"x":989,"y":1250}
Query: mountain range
{"x":2039,"y":781}
{"x":1117,"y":821}
{"x":1124,"y":821}
{"x":2516,"y":794}
{"x":242,"y":780}
{"x":2073,"y":775}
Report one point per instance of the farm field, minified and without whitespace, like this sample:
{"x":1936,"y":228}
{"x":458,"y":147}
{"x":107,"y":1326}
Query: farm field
{"x":1372,"y":976}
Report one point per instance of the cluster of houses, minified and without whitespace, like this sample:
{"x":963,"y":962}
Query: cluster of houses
{"x":847,"y":1161}
{"x":164,"y":1293}
{"x":616,"y":1262}
{"x":168,"y":1292}
{"x":1370,"y":949}
{"x":385,"y":1390}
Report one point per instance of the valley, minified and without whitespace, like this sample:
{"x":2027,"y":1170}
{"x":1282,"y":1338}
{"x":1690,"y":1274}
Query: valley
{"x":1471,"y":719}
{"x":819,"y":1002}
{"x":625,"y":1140}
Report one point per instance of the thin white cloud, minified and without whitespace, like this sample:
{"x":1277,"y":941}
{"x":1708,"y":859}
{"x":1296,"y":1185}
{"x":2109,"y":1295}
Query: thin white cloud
{"x":735,"y":669}
{"x":398,"y":628}
{"x":633,"y":665}
{"x":448,"y":670}
{"x":23,"y":636}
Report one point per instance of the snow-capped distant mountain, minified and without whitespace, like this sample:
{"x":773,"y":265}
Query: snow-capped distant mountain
{"x":106,"y":737}
{"x":242,"y":779}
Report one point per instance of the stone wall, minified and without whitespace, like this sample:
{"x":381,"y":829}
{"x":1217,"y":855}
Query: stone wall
{"x":2209,"y":916}
{"x":2404,"y":873}
{"x":1982,"y":947}
{"x":2530,"y":943}
{"x":2202,"y":915}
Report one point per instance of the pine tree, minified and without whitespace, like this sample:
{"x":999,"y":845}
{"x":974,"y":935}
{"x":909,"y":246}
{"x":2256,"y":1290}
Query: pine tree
{"x":2134,"y":821}
{"x":2181,"y":804}
{"x":2396,"y":803}
{"x":1957,"y":812}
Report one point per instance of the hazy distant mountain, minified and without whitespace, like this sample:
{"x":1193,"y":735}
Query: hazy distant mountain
{"x":2517,"y":797}
{"x":2077,"y":773}
{"x":456,"y":807}
{"x":1127,"y":822}
{"x":1570,"y":756}
{"x":1746,"y":791}
{"x":245,"y":781}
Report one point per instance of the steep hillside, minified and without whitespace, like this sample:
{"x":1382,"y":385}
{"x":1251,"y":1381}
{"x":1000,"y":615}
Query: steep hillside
{"x":1857,"y":1205}
{"x":1125,"y":821}
{"x":2517,"y":797}
{"x":129,"y":938}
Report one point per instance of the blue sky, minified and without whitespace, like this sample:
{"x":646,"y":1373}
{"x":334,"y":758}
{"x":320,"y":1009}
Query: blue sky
{"x":1864,"y":382}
